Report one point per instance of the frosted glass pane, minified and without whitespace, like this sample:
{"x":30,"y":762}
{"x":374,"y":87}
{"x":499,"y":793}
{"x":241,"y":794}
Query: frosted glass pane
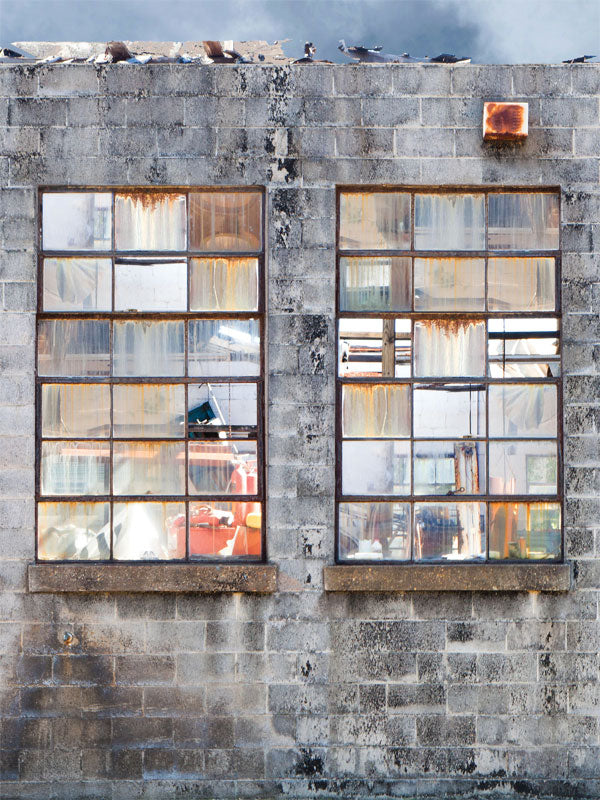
{"x":221,"y":466}
{"x":449,"y":410}
{"x":521,"y":284}
{"x":73,"y":531}
{"x":150,"y":221}
{"x":75,"y":410}
{"x":523,"y":467}
{"x":150,"y":285}
{"x":75,"y":468}
{"x":449,"y":284}
{"x":449,"y":531}
{"x":148,"y":348}
{"x":225,"y":221}
{"x":146,"y":410}
{"x":525,"y":530}
{"x":449,"y":222}
{"x":73,"y":348}
{"x":148,"y":531}
{"x":376,"y":467}
{"x":375,"y":284}
{"x":376,"y":411}
{"x":224,"y":347}
{"x":225,"y":530}
{"x":449,"y":467}
{"x":523,"y":221}
{"x":374,"y":221}
{"x":224,"y":284}
{"x":446,"y":348}
{"x":76,"y":221}
{"x":223,"y":404}
{"x":374,"y":531}
{"x":522,"y":410}
{"x":77,"y":284}
{"x":148,"y":468}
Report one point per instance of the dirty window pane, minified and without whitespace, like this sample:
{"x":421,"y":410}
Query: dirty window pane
{"x":376,"y":411}
{"x":224,"y":347}
{"x":224,"y":284}
{"x":447,"y":348}
{"x":77,"y":284}
{"x":522,"y":410}
{"x":221,"y":466}
{"x":521,"y":284}
{"x":449,"y":284}
{"x":448,"y":410}
{"x":374,"y":531}
{"x":525,"y":530}
{"x":523,"y":467}
{"x":150,"y":221}
{"x":449,"y":467}
{"x":225,"y":221}
{"x":75,"y":468}
{"x":225,"y":530}
{"x":449,"y":531}
{"x":374,"y":221}
{"x":523,"y":221}
{"x":76,"y":221}
{"x":73,"y":348}
{"x":148,"y":348}
{"x":220,"y":404}
{"x":143,"y":284}
{"x":148,"y":468}
{"x":146,"y":410}
{"x":449,"y":222}
{"x":376,"y":467}
{"x":148,"y":531}
{"x":73,"y":531}
{"x":375,"y":284}
{"x":75,"y":410}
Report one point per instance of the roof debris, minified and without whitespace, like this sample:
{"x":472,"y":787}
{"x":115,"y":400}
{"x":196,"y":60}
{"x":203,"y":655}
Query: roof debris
{"x":309,"y":51}
{"x":579,"y":60}
{"x":373,"y":55}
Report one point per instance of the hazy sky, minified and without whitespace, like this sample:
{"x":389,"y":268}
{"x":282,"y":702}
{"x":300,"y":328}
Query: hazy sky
{"x":506,"y":31}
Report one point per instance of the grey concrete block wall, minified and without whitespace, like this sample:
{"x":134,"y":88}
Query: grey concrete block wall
{"x":301,"y":693}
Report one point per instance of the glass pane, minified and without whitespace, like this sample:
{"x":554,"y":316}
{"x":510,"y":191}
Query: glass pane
{"x":224,"y":347}
{"x":148,"y":468}
{"x":374,"y":531}
{"x":224,"y":529}
{"x":373,"y":347}
{"x":374,"y":221}
{"x":148,"y":410}
{"x":220,"y":466}
{"x":448,"y":348}
{"x":375,"y":284}
{"x":150,"y":285}
{"x":449,"y":410}
{"x":449,"y":284}
{"x":75,"y":468}
{"x":547,"y":369}
{"x":225,"y":221}
{"x":521,"y":284}
{"x":449,"y":531}
{"x":376,"y":411}
{"x":223,"y":284}
{"x":73,"y":347}
{"x":523,"y":468}
{"x":220,"y":404}
{"x":449,"y":222}
{"x":73,"y":531}
{"x":524,"y":221}
{"x":150,"y":221}
{"x":376,"y":467}
{"x":76,"y":221}
{"x":77,"y":284}
{"x":522,"y":410}
{"x":522,"y":339}
{"x":148,"y":531}
{"x":525,"y":530}
{"x":148,"y":348}
{"x":449,"y":467}
{"x":75,"y":410}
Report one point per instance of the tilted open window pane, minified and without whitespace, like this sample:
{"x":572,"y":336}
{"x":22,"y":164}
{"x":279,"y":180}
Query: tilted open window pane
{"x":374,"y":221}
{"x":225,"y":221}
{"x":77,"y":284}
{"x":143,"y":284}
{"x":523,"y":221}
{"x":449,"y":284}
{"x":76,"y":221}
{"x":375,"y":284}
{"x":224,"y":284}
{"x":150,"y":221}
{"x":449,"y":222}
{"x":224,"y":347}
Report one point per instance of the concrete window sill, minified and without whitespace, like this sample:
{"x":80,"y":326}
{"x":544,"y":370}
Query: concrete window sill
{"x":448,"y":578}
{"x":201,"y":578}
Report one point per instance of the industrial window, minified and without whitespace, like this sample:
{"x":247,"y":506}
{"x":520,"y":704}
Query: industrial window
{"x":448,"y":390}
{"x":150,"y":375}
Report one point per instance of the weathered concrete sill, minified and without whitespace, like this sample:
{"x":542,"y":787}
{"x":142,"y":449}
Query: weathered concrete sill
{"x":202,"y":578}
{"x":448,"y":578}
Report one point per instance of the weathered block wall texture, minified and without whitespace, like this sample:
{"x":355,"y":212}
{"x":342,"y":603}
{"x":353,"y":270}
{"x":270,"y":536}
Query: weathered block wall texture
{"x":301,"y":692}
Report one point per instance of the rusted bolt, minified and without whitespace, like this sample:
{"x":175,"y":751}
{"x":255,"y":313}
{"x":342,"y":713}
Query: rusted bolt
{"x":68,"y":638}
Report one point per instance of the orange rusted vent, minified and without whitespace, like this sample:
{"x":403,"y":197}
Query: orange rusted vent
{"x":505,"y":121}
